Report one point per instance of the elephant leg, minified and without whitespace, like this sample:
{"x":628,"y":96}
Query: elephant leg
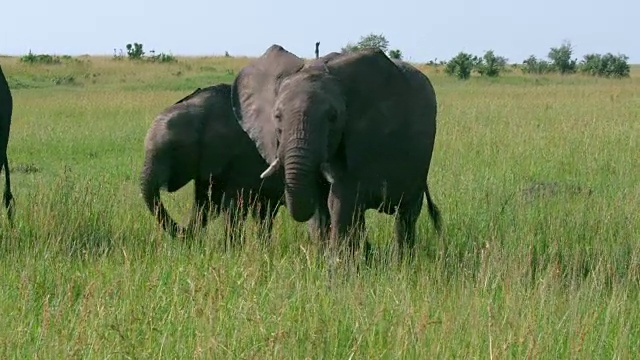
{"x":235,"y":214}
{"x":319,"y":225}
{"x":7,"y":196}
{"x":405,"y":225}
{"x":347,"y":219}
{"x":202,"y":205}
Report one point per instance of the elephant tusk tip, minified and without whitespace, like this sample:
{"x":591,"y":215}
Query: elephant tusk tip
{"x":328,"y":174}
{"x":266,"y":173}
{"x":271,"y":169}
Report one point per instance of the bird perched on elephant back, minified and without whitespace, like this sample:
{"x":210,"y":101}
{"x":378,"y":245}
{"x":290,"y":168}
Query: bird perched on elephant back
{"x":198,"y":138}
{"x":365,"y":123}
{"x":6,"y":111}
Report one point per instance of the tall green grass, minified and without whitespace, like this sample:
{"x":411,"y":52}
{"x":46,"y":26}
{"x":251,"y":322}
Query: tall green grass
{"x":537,"y":179}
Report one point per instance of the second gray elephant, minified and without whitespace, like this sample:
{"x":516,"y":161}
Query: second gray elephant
{"x":6,"y":111}
{"x":198,"y":138}
{"x":365,"y":123}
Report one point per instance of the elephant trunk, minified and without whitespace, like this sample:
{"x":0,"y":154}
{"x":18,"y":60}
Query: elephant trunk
{"x":151,"y":195}
{"x":300,"y":172}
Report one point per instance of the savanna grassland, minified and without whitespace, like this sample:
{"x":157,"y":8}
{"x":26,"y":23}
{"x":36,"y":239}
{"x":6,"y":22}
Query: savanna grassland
{"x":537,"y":178}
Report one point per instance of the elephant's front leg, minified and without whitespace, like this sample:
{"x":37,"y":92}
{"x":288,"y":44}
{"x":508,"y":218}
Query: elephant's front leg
{"x":202,"y":205}
{"x":405,"y":225}
{"x":347,"y":218}
{"x":319,"y":225}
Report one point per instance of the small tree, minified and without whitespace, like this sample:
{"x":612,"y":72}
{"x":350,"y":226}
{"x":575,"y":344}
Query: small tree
{"x":374,"y":41}
{"x":461,"y":65}
{"x":32,"y":58}
{"x":561,"y":58}
{"x":608,"y":65}
{"x":616,"y":65}
{"x":534,"y":66}
{"x":491,"y":65}
{"x":135,"y":51}
{"x":350,"y":47}
{"x":395,"y":54}
{"x":162,"y":57}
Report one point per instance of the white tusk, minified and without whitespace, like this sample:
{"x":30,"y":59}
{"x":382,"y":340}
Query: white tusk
{"x":271,"y":169}
{"x":326,"y":171}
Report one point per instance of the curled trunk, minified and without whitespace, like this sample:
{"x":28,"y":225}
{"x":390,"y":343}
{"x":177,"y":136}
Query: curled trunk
{"x":151,"y":195}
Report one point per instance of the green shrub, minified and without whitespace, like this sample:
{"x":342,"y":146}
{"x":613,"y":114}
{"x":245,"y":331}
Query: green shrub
{"x":534,"y":66}
{"x":607,"y":65}
{"x":490,"y":64}
{"x":561,"y":59}
{"x":395,"y":54}
{"x":461,"y":65}
{"x":135,"y":51}
{"x":32,"y":58}
{"x":370,"y":41}
{"x":162,"y":57}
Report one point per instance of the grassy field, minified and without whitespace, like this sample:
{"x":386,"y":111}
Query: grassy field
{"x":537,"y":178}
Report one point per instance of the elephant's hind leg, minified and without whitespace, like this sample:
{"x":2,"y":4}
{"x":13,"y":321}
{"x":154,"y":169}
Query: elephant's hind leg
{"x":7,"y":196}
{"x":235,"y":213}
{"x":405,"y":225}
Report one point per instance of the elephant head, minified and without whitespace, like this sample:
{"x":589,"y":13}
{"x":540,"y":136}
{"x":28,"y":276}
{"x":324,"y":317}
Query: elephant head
{"x":301,"y":115}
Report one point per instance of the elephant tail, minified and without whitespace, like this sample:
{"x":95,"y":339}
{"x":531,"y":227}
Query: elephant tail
{"x":434,"y":212}
{"x":151,"y":195}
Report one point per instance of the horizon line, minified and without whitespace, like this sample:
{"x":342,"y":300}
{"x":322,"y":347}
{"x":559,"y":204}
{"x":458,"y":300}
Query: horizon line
{"x":5,"y":55}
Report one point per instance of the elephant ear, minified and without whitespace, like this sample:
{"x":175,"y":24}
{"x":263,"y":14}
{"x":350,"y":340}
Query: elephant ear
{"x":254,"y":92}
{"x":376,"y":95}
{"x":370,"y":81}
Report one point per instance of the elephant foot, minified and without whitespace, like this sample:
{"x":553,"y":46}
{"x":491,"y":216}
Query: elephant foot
{"x":9,"y":204}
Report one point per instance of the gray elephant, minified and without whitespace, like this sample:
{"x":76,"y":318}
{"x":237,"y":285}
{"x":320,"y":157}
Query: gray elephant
{"x":6,"y":110}
{"x":198,"y":138}
{"x":365,"y":123}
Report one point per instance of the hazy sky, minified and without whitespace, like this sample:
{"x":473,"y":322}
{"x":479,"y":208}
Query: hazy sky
{"x":422,"y":30}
